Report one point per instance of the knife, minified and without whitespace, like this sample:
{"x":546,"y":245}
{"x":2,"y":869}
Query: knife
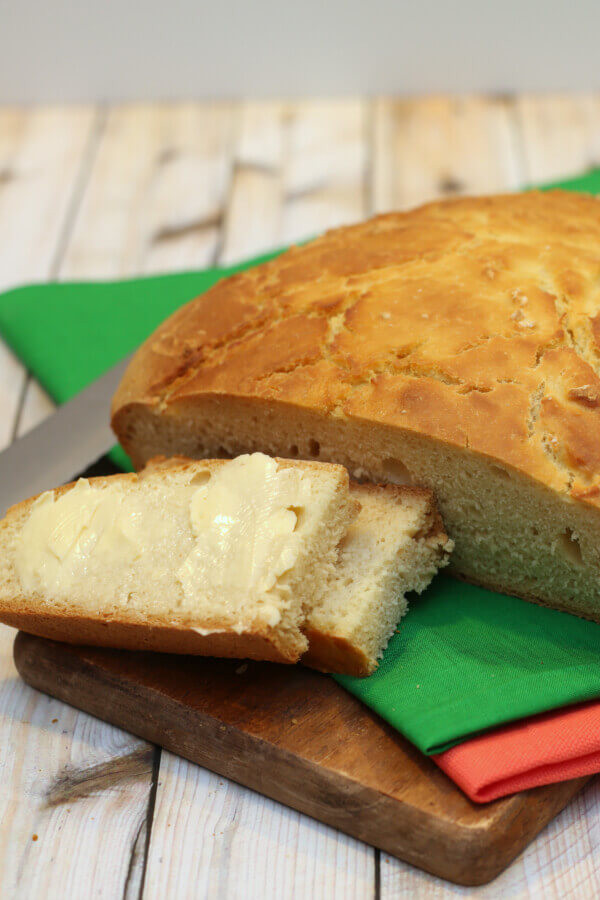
{"x":63,"y":445}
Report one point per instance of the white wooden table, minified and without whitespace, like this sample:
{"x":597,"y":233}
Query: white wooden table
{"x":85,"y":809}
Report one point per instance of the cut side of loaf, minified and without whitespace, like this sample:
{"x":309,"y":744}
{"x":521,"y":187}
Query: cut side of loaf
{"x":395,"y":545}
{"x":454,"y":346}
{"x":214,"y":557}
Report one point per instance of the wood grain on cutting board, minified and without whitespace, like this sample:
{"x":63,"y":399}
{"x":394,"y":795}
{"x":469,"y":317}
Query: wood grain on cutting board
{"x":297,"y":736}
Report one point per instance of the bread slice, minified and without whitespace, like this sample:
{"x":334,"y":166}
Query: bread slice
{"x":395,"y":545}
{"x":455,"y":346}
{"x":123,"y":564}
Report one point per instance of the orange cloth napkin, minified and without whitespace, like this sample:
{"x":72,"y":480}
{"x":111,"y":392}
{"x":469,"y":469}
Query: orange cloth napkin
{"x":541,"y":750}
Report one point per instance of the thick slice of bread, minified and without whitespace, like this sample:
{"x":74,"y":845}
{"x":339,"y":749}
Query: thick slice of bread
{"x":395,"y":545}
{"x":455,"y":346}
{"x":117,"y":578}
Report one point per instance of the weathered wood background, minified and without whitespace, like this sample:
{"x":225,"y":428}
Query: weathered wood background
{"x":86,"y":810}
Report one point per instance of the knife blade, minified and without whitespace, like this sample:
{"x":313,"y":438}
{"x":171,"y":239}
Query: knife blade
{"x":63,"y":445}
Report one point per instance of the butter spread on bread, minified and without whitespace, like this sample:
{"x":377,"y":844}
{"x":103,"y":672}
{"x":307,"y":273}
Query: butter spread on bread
{"x":245,"y":522}
{"x":248,"y":533}
{"x":155,"y":585}
{"x":254,"y":557}
{"x":455,"y":346}
{"x":66,"y":537}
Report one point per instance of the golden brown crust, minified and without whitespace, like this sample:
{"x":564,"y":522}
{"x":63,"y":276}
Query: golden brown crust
{"x":330,"y":653}
{"x":158,"y":637}
{"x":473,"y":321}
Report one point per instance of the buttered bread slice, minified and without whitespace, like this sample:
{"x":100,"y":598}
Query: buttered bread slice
{"x":214,"y":557}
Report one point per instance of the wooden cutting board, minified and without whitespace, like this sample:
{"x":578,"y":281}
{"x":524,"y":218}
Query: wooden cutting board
{"x":296,"y":736}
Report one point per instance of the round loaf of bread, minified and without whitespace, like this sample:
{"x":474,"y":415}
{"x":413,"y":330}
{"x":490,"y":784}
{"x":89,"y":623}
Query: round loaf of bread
{"x":456,"y":346}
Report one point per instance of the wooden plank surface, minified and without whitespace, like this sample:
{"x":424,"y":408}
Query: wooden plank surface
{"x":424,"y":149}
{"x":562,"y":862}
{"x":120,"y":224}
{"x":88,"y":193}
{"x":43,"y":153}
{"x":296,"y":735}
{"x":560,"y":135}
{"x":52,"y":753}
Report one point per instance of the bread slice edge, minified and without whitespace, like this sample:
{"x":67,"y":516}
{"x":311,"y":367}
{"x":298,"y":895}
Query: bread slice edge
{"x":133,"y":631}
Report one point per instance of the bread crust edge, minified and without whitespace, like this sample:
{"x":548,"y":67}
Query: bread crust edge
{"x":88,"y":631}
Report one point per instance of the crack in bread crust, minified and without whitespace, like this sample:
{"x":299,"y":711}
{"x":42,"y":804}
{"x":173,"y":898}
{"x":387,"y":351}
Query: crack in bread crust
{"x":433,"y":321}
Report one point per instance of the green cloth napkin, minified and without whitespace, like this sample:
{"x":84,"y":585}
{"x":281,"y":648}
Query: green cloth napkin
{"x":68,"y":334}
{"x":464,"y":660}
